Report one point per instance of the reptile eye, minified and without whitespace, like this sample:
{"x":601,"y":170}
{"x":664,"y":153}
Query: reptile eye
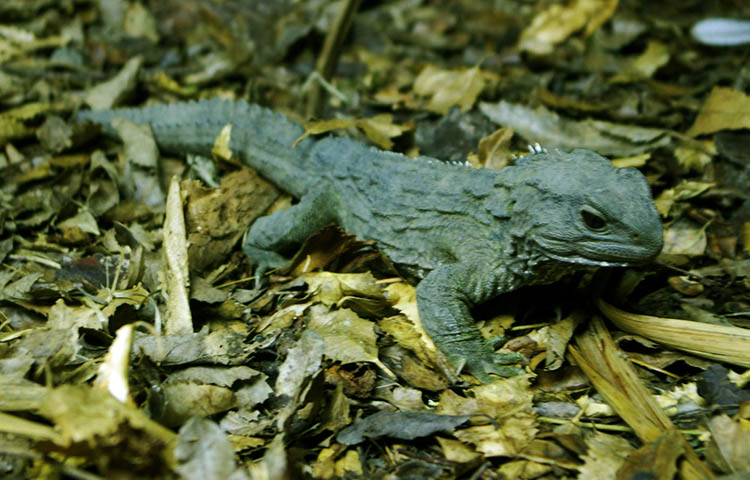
{"x":593,"y":220}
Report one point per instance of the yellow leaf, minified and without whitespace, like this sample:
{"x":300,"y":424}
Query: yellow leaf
{"x":724,"y":109}
{"x":558,"y":22}
{"x":380,"y":128}
{"x":655,"y":56}
{"x":449,"y":88}
{"x":348,"y":337}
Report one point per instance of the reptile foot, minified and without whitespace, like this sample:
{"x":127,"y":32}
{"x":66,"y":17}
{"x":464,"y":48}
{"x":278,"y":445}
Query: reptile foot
{"x":487,"y":370}
{"x":497,"y":342}
{"x":263,"y":260}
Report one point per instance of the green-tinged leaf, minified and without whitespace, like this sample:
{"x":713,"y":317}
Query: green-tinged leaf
{"x":348,"y":338}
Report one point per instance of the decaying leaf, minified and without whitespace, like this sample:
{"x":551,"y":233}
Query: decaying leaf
{"x":684,"y":191}
{"x":457,"y":451}
{"x":724,"y":109}
{"x":553,"y":25}
{"x":553,"y":131}
{"x":92,"y":420}
{"x":684,"y":238}
{"x":216,"y":219}
{"x":730,"y":446}
{"x":695,"y":156}
{"x":337,"y":289}
{"x":111,"y":92}
{"x":505,"y":401}
{"x":655,"y":56}
{"x":494,"y":151}
{"x":379,"y":129}
{"x":301,"y":365}
{"x":409,"y":332}
{"x":403,"y":425}
{"x":447,"y":88}
{"x":348,"y":338}
{"x":19,"y":394}
{"x":203,"y":451}
{"x":604,"y":457}
{"x":221,"y":347}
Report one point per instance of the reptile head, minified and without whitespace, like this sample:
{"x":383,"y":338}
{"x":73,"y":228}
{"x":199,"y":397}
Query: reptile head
{"x":581,"y":209}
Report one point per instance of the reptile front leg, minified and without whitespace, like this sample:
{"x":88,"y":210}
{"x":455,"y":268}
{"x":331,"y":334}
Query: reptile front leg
{"x":271,"y":238}
{"x":444,"y":298}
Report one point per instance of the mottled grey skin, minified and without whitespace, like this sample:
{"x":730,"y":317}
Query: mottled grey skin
{"x":466,"y":235}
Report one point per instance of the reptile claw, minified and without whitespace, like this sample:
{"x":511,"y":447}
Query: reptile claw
{"x":488,"y":371}
{"x":497,"y":342}
{"x":537,"y":148}
{"x":498,"y":366}
{"x":509,"y":358}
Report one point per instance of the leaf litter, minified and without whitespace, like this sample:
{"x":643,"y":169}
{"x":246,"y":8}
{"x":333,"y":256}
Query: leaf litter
{"x":135,"y":342}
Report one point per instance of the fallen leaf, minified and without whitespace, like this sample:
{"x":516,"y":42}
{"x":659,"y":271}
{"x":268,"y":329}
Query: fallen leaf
{"x":646,"y":64}
{"x":447,"y":88}
{"x":730,"y":445}
{"x":379,"y":129}
{"x":539,"y":125}
{"x":348,"y":338}
{"x":684,"y":238}
{"x":508,"y":402}
{"x":685,"y":190}
{"x":724,"y":109}
{"x":110,"y":93}
{"x":604,"y":457}
{"x":401,"y":425}
{"x":553,"y":25}
{"x":695,"y":156}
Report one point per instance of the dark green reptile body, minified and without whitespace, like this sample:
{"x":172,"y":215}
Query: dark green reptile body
{"x":465,"y":234}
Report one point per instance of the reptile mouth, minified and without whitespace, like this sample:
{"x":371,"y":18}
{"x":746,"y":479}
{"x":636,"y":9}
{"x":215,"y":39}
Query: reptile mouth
{"x":579,"y":260}
{"x":602,"y":254}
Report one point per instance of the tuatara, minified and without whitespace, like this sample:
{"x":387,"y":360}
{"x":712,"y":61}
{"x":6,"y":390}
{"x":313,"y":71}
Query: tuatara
{"x":464,"y":234}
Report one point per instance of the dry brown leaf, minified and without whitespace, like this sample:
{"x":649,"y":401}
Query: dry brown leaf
{"x":724,"y":109}
{"x":379,"y":129}
{"x":111,"y":92}
{"x":695,"y":156}
{"x":558,"y":22}
{"x":646,"y":64}
{"x":509,"y":402}
{"x":657,"y":459}
{"x":685,"y":190}
{"x":457,"y":451}
{"x":332,"y":288}
{"x":408,"y":333}
{"x":348,"y":338}
{"x":494,"y":149}
{"x":633,"y":162}
{"x":730,"y":443}
{"x":605,"y":455}
{"x":683,"y":237}
{"x":448,"y":88}
{"x":86,"y":416}
{"x":552,"y":130}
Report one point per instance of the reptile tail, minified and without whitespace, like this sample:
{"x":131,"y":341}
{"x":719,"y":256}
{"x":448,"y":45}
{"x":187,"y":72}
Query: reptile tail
{"x":263,"y":139}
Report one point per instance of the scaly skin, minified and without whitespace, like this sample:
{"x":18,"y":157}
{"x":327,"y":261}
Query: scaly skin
{"x":465,"y":235}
